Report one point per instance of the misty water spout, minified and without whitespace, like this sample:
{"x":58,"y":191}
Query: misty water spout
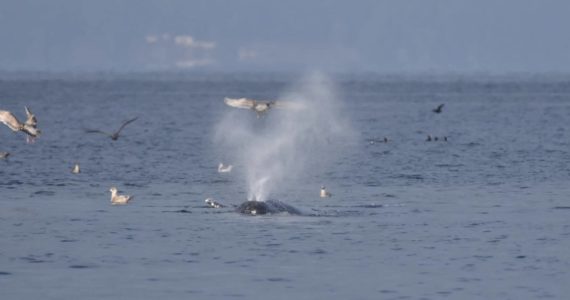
{"x":284,"y":143}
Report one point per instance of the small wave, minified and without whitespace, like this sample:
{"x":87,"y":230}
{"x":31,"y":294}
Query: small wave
{"x":181,"y":211}
{"x":12,"y":182}
{"x":32,"y":259}
{"x":408,"y":176}
{"x":80,"y":267}
{"x":278,"y":279}
{"x":43,"y":193}
{"x":449,"y":165}
{"x":370,"y":205}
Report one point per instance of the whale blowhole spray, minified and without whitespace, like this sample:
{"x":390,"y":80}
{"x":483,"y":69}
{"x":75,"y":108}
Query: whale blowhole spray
{"x":303,"y":130}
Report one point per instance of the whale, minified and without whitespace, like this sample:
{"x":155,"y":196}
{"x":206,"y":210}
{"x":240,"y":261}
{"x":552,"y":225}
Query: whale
{"x":269,"y":207}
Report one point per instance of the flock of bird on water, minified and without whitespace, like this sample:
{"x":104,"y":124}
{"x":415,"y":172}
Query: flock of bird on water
{"x":30,"y":128}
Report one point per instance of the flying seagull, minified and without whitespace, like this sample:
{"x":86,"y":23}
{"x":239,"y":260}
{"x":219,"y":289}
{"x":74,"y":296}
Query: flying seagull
{"x":29,"y":127}
{"x":31,"y":118}
{"x":258,"y":106}
{"x":115,"y":135}
{"x":437,"y":110}
{"x":119,"y":199}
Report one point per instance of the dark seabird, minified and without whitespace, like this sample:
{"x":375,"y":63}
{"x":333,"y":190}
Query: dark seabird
{"x":438,"y":109}
{"x":428,"y":138}
{"x":115,"y":135}
{"x":29,"y":127}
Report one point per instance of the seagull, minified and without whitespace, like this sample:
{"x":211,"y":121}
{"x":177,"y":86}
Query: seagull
{"x":437,"y":110}
{"x":114,"y":136}
{"x":76,"y":169}
{"x":213,"y":203}
{"x":29,"y":127}
{"x":119,"y":199}
{"x":259,"y":107}
{"x":324,"y":193}
{"x":31,"y":118}
{"x":224,"y":169}
{"x":4,"y":155}
{"x":31,"y":121}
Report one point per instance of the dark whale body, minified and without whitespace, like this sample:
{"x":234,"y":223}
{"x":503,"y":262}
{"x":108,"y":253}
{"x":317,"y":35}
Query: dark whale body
{"x":253,"y":208}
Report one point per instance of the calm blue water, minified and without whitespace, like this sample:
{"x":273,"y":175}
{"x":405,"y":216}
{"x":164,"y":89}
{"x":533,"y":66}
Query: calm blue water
{"x":485,"y":215}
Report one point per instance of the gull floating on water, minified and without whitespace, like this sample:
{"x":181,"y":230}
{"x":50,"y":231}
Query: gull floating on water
{"x":4,"y":155}
{"x":213,"y":203}
{"x":119,"y":199}
{"x":324,"y":193}
{"x":29,"y":127}
{"x":76,"y":169}
{"x":224,"y":169}
{"x":438,"y":109}
{"x":115,"y":135}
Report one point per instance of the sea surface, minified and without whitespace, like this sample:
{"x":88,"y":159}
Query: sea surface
{"x":483,"y":215}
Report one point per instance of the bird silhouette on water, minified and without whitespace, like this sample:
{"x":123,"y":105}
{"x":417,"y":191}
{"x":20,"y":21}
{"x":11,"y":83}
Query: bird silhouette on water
{"x":115,"y":135}
{"x":438,"y":109}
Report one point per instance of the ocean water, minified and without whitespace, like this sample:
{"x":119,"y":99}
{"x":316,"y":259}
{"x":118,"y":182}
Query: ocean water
{"x":483,"y":215}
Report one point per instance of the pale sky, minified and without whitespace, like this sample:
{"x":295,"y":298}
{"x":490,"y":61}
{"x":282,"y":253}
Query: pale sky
{"x":399,"y":36}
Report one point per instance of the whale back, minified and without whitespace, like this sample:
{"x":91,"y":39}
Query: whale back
{"x":266,"y":207}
